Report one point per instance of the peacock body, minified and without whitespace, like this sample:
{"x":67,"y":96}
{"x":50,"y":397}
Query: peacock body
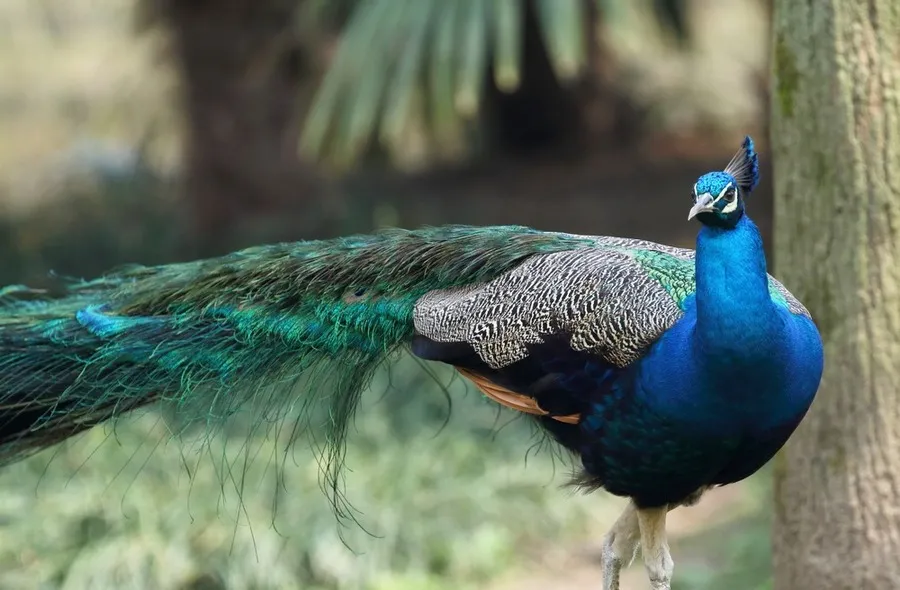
{"x":652,"y":388}
{"x":667,"y":370}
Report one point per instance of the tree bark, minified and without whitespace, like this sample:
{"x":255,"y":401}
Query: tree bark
{"x":836,"y":150}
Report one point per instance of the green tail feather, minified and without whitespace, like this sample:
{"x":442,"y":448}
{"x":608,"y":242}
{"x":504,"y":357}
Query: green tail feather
{"x":281,"y":327}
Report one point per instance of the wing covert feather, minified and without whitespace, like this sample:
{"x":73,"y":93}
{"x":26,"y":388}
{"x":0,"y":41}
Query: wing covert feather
{"x":601,"y":298}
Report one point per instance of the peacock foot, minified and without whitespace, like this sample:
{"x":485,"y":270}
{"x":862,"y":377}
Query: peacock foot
{"x":655,"y":548}
{"x":620,"y":545}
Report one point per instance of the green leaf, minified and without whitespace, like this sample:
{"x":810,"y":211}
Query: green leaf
{"x":407,"y":74}
{"x":362,"y":28}
{"x":366,"y":91}
{"x":508,"y":17}
{"x":443,"y":67}
{"x":563,"y":22}
{"x":474,"y":50}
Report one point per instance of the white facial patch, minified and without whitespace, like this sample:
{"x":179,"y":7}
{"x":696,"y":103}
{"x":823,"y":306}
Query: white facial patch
{"x":729,"y":207}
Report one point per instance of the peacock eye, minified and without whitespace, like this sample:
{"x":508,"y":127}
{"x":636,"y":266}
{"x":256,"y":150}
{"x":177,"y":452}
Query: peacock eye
{"x":730,"y":195}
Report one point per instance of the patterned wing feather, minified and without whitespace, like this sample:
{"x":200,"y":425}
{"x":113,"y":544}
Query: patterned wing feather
{"x":602,"y":298}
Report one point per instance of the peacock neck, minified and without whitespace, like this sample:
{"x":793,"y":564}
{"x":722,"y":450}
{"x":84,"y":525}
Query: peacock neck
{"x":735,"y":313}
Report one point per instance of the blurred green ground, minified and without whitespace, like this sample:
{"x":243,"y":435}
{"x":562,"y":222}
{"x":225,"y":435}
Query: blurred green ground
{"x":457,"y":506}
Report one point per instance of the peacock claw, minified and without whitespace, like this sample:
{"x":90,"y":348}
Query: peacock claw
{"x":620,"y":545}
{"x":612,"y":566}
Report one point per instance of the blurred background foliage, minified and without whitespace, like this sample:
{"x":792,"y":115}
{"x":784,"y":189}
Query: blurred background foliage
{"x":159,"y":130}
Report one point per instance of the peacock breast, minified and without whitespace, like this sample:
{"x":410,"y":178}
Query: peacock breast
{"x":742,"y":386}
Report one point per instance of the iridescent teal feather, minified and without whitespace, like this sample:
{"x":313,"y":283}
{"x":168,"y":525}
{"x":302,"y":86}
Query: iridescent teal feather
{"x":216,"y":335}
{"x":676,"y":275}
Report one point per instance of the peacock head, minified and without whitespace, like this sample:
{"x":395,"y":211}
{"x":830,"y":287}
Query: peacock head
{"x":719,"y":196}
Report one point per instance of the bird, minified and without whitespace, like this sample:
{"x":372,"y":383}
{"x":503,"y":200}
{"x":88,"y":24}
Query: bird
{"x":665,"y":371}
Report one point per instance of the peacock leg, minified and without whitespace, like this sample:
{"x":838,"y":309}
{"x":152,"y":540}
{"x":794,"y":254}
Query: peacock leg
{"x":620,"y":545}
{"x":655,"y":547}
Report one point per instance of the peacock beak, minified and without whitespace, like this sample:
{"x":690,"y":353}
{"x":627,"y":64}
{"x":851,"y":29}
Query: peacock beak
{"x":704,"y":204}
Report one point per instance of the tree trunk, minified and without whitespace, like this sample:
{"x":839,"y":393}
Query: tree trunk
{"x":242,"y":66}
{"x":836,"y":148}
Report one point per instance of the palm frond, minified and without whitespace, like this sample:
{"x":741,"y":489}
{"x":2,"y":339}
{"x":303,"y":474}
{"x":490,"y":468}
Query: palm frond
{"x":394,"y":51}
{"x":442,"y":69}
{"x":473,"y":51}
{"x":508,"y":35}
{"x":400,"y":61}
{"x":402,"y":84}
{"x":563,"y":24}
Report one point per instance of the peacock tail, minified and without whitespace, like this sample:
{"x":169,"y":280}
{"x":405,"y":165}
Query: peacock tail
{"x":256,"y":326}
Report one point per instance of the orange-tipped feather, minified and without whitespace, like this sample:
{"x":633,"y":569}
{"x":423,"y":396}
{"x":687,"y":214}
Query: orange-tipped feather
{"x":512,"y":400}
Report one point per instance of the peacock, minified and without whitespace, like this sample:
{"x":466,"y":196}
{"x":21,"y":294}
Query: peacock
{"x":664,"y":371}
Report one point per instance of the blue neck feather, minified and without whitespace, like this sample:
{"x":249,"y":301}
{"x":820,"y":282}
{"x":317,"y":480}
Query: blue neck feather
{"x":735,"y":313}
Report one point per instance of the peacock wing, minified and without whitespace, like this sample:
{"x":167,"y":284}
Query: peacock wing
{"x":556,"y":331}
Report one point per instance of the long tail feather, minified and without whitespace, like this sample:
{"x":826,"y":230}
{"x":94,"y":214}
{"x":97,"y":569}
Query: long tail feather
{"x":285,"y":326}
